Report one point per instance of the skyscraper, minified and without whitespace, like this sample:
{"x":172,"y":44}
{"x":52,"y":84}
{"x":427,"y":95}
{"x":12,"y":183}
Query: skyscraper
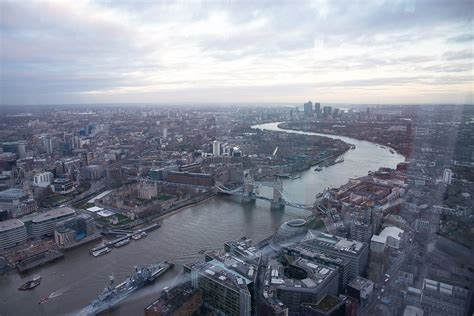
{"x":216,"y":148}
{"x":317,"y":109}
{"x":308,"y":108}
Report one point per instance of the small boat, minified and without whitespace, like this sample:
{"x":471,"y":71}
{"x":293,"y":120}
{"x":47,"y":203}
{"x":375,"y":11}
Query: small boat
{"x":339,"y":161}
{"x":122,"y":243}
{"x":31,"y":284}
{"x":140,"y":235}
{"x":101,"y":252}
{"x":318,"y":168}
{"x":295,"y":177}
{"x":391,"y":151}
{"x":202,"y":251}
{"x":43,"y":300}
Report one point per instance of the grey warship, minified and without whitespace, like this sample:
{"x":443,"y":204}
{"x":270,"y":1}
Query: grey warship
{"x":113,"y":295}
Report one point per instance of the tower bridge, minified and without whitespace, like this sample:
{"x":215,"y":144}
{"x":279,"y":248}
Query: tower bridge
{"x":249,"y":192}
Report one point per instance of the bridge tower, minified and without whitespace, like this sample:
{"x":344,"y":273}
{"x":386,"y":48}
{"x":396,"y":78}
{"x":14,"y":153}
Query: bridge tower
{"x":249,"y":194}
{"x":277,"y":201}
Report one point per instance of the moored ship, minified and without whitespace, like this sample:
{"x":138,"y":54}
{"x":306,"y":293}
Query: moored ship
{"x":101,"y":252}
{"x":112,"y":296}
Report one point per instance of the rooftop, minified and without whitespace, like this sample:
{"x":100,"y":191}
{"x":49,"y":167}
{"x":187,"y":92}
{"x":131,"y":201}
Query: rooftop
{"x":228,"y":270}
{"x":55,"y":213}
{"x":389,"y":231}
{"x":360,"y":283}
{"x":12,"y":194}
{"x":332,"y":241}
{"x":10,"y":224}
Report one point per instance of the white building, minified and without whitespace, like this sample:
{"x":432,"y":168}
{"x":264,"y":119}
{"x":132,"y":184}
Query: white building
{"x":447,"y":176}
{"x":216,"y":148}
{"x":12,"y":233}
{"x":389,"y":236}
{"x":43,"y":224}
{"x":43,"y":179}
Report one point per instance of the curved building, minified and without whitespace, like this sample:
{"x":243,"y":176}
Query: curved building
{"x":12,"y":233}
{"x":290,"y":232}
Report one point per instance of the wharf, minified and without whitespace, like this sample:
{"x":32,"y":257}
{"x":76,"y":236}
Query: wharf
{"x":39,"y":260}
{"x":129,"y":235}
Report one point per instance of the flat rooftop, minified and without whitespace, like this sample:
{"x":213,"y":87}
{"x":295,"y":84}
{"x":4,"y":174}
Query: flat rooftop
{"x":12,"y":194}
{"x":360,"y":283}
{"x":10,"y":224}
{"x":53,"y":214}
{"x":335,"y":242}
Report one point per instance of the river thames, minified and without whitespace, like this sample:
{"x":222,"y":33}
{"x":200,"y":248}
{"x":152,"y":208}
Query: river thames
{"x":79,"y":278}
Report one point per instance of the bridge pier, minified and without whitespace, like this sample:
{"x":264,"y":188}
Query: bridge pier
{"x":277,"y":201}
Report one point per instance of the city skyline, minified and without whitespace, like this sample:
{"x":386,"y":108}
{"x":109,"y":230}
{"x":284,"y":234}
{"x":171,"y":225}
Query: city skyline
{"x":263,"y":52}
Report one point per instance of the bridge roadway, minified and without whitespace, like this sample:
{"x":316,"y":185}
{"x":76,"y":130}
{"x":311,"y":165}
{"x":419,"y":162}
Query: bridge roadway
{"x":284,"y":201}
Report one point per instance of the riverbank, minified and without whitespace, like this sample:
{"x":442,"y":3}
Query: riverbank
{"x":284,"y":126}
{"x":203,"y":225}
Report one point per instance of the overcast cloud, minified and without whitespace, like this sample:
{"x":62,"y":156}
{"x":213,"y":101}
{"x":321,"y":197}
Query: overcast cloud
{"x":236,"y":51}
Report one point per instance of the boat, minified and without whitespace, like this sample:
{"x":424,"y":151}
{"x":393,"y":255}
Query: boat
{"x":139,"y":235}
{"x":122,"y":243}
{"x":295,"y":177}
{"x":43,"y":300}
{"x":391,"y":151}
{"x":339,"y":161}
{"x":101,"y":252}
{"x":318,"y":168}
{"x":31,"y":284}
{"x":113,"y":295}
{"x":353,"y":147}
{"x":202,"y":251}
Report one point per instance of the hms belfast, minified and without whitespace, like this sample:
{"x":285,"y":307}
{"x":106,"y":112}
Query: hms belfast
{"x":113,"y":295}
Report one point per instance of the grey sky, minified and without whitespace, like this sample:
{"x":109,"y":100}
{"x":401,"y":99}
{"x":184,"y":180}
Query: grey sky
{"x":236,"y":51}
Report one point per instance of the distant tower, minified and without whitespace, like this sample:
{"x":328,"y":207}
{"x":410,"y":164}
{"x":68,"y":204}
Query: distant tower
{"x":308,"y":108}
{"x":48,"y":145}
{"x":447,"y":176}
{"x":216,"y":148}
{"x":165,"y":132}
{"x":317,"y":109}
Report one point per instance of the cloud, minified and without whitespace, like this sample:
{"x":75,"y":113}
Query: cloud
{"x":105,"y":50}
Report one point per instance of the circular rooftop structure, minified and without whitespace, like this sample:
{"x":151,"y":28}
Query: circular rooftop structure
{"x":298,"y":222}
{"x":289,"y":232}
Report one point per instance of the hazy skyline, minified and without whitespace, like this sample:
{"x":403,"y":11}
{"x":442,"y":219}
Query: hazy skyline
{"x":236,"y":51}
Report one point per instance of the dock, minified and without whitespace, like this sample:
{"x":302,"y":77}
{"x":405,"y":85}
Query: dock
{"x":125,"y":236}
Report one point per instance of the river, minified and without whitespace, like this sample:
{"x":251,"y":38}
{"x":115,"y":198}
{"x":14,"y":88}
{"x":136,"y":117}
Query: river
{"x":80,"y":277}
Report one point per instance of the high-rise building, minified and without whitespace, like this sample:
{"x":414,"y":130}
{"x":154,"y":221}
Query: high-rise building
{"x":308,"y":108}
{"x":48,"y":144}
{"x":356,"y":252}
{"x":447,"y":176}
{"x":216,"y":148}
{"x":226,"y":284}
{"x":165,"y":132}
{"x":327,"y":111}
{"x":18,"y":148}
{"x":317,"y":109}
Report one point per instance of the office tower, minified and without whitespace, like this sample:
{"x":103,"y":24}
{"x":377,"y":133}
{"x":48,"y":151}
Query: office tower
{"x":48,"y":145}
{"x":308,"y":108}
{"x":447,"y":176}
{"x":317,"y":109}
{"x":356,"y":252}
{"x":216,"y":148}
{"x":327,"y":111}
